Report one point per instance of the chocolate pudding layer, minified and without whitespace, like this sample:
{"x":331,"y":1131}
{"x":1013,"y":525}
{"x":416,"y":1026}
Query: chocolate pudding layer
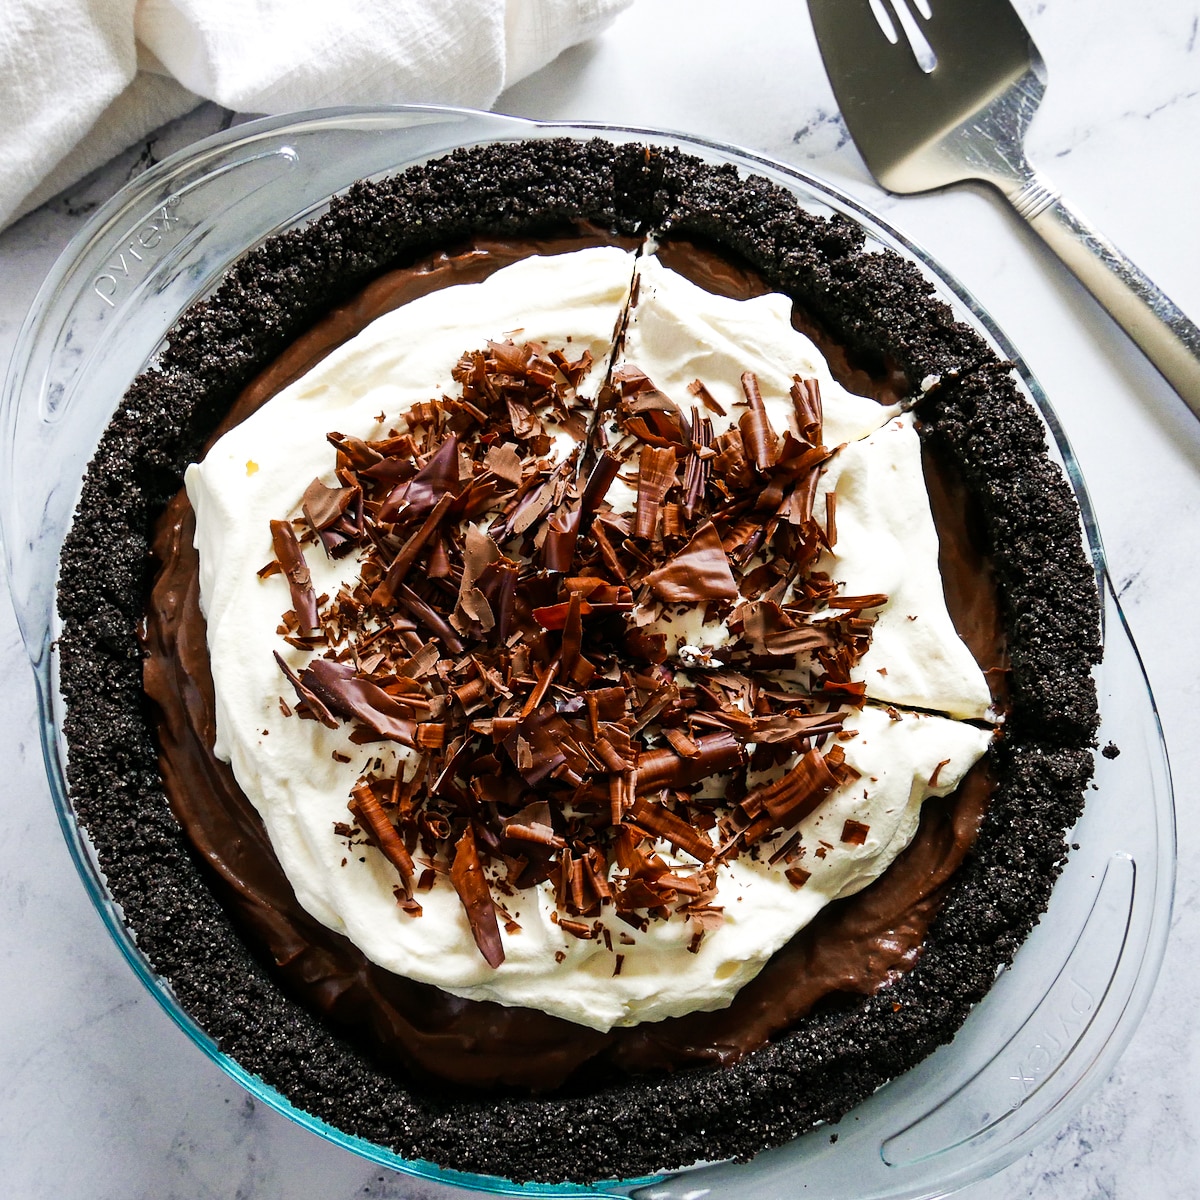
{"x":979,"y":429}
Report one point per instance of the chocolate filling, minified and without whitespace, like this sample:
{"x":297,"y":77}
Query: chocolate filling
{"x":857,"y":946}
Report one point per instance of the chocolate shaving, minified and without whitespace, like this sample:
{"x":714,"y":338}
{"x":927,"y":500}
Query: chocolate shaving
{"x":342,"y":692}
{"x":854,"y":833}
{"x":505,"y":462}
{"x":498,"y":628}
{"x":806,"y":400}
{"x":404,"y":560}
{"x":335,"y":516}
{"x":382,"y":833}
{"x":672,"y":828}
{"x":419,"y":495}
{"x":466,"y":873}
{"x":787,"y":801}
{"x":758,"y":438}
{"x":705,"y":397}
{"x":310,"y":700}
{"x":656,"y":477}
{"x":715,"y":753}
{"x":698,"y":573}
{"x":291,"y":558}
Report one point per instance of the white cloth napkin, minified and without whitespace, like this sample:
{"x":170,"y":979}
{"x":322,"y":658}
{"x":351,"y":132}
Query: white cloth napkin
{"x":82,"y":79}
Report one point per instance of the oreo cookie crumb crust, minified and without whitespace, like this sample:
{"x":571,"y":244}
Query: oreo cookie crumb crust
{"x":878,"y":306}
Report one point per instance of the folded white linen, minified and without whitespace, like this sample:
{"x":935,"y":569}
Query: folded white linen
{"x":82,"y":79}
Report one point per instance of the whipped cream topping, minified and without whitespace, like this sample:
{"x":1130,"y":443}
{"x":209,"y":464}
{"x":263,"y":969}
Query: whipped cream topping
{"x":886,"y":541}
{"x":679,"y":333}
{"x":299,"y":774}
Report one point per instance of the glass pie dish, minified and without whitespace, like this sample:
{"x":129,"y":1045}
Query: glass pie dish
{"x":1053,"y":1023}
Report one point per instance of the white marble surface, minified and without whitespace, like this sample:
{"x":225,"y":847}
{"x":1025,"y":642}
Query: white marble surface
{"x":102,"y":1097}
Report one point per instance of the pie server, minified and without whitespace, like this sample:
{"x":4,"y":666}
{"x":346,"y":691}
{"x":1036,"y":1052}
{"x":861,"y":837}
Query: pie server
{"x":936,"y":92}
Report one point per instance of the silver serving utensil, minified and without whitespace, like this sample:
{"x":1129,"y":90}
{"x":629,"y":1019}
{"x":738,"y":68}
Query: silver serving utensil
{"x":936,"y":92}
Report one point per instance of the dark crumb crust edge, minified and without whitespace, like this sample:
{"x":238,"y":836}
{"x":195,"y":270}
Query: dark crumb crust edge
{"x":877,"y":304}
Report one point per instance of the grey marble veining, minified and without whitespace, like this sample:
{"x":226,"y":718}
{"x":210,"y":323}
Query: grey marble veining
{"x":101,"y":1096}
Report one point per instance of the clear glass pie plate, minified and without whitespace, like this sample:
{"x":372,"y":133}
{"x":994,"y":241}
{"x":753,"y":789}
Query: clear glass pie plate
{"x":1054,"y":1023}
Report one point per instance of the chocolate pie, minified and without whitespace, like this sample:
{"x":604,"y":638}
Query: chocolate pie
{"x":580,"y":640}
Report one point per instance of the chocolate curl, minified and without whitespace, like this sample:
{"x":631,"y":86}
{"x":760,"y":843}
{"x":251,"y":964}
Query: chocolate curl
{"x":420,"y":663}
{"x":705,"y":397}
{"x":572,"y":639}
{"x":858,"y":603}
{"x":510,"y":357}
{"x":505,"y":600}
{"x":656,"y":477}
{"x":768,"y":629}
{"x":697,"y":574}
{"x":647,"y":398}
{"x":672,"y":828}
{"x":533,"y":503}
{"x":353,"y":452}
{"x":553,"y":751}
{"x":787,"y":801}
{"x":370,"y":815}
{"x":666,"y":696}
{"x":438,"y":565}
{"x":806,"y":400}
{"x":554,"y":616}
{"x":608,"y":553}
{"x":597,"y":872}
{"x":729,"y":463}
{"x":622,"y":790}
{"x":804,"y":494}
{"x":628,"y":378}
{"x":466,"y":874}
{"x":681,"y":743}
{"x":419,"y":494}
{"x":325,"y":510}
{"x":610,"y":702}
{"x":291,"y":559}
{"x":408,"y":600}
{"x":558,"y":550}
{"x":661,"y":767}
{"x":607,"y":467}
{"x":323,"y":505}
{"x":610,"y":757}
{"x":311,"y":701}
{"x":572,"y":372}
{"x":758,"y":438}
{"x":645,"y":647}
{"x":842,"y":692}
{"x":504,"y":462}
{"x":696,"y":470}
{"x":533,"y":825}
{"x":472,"y":607}
{"x":562,"y":532}
{"x":544,"y":679}
{"x":384,"y":594}
{"x":342,"y":692}
{"x":780,"y":727}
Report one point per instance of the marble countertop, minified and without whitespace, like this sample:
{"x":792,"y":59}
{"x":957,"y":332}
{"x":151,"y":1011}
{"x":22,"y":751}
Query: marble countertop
{"x":103,"y":1097}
